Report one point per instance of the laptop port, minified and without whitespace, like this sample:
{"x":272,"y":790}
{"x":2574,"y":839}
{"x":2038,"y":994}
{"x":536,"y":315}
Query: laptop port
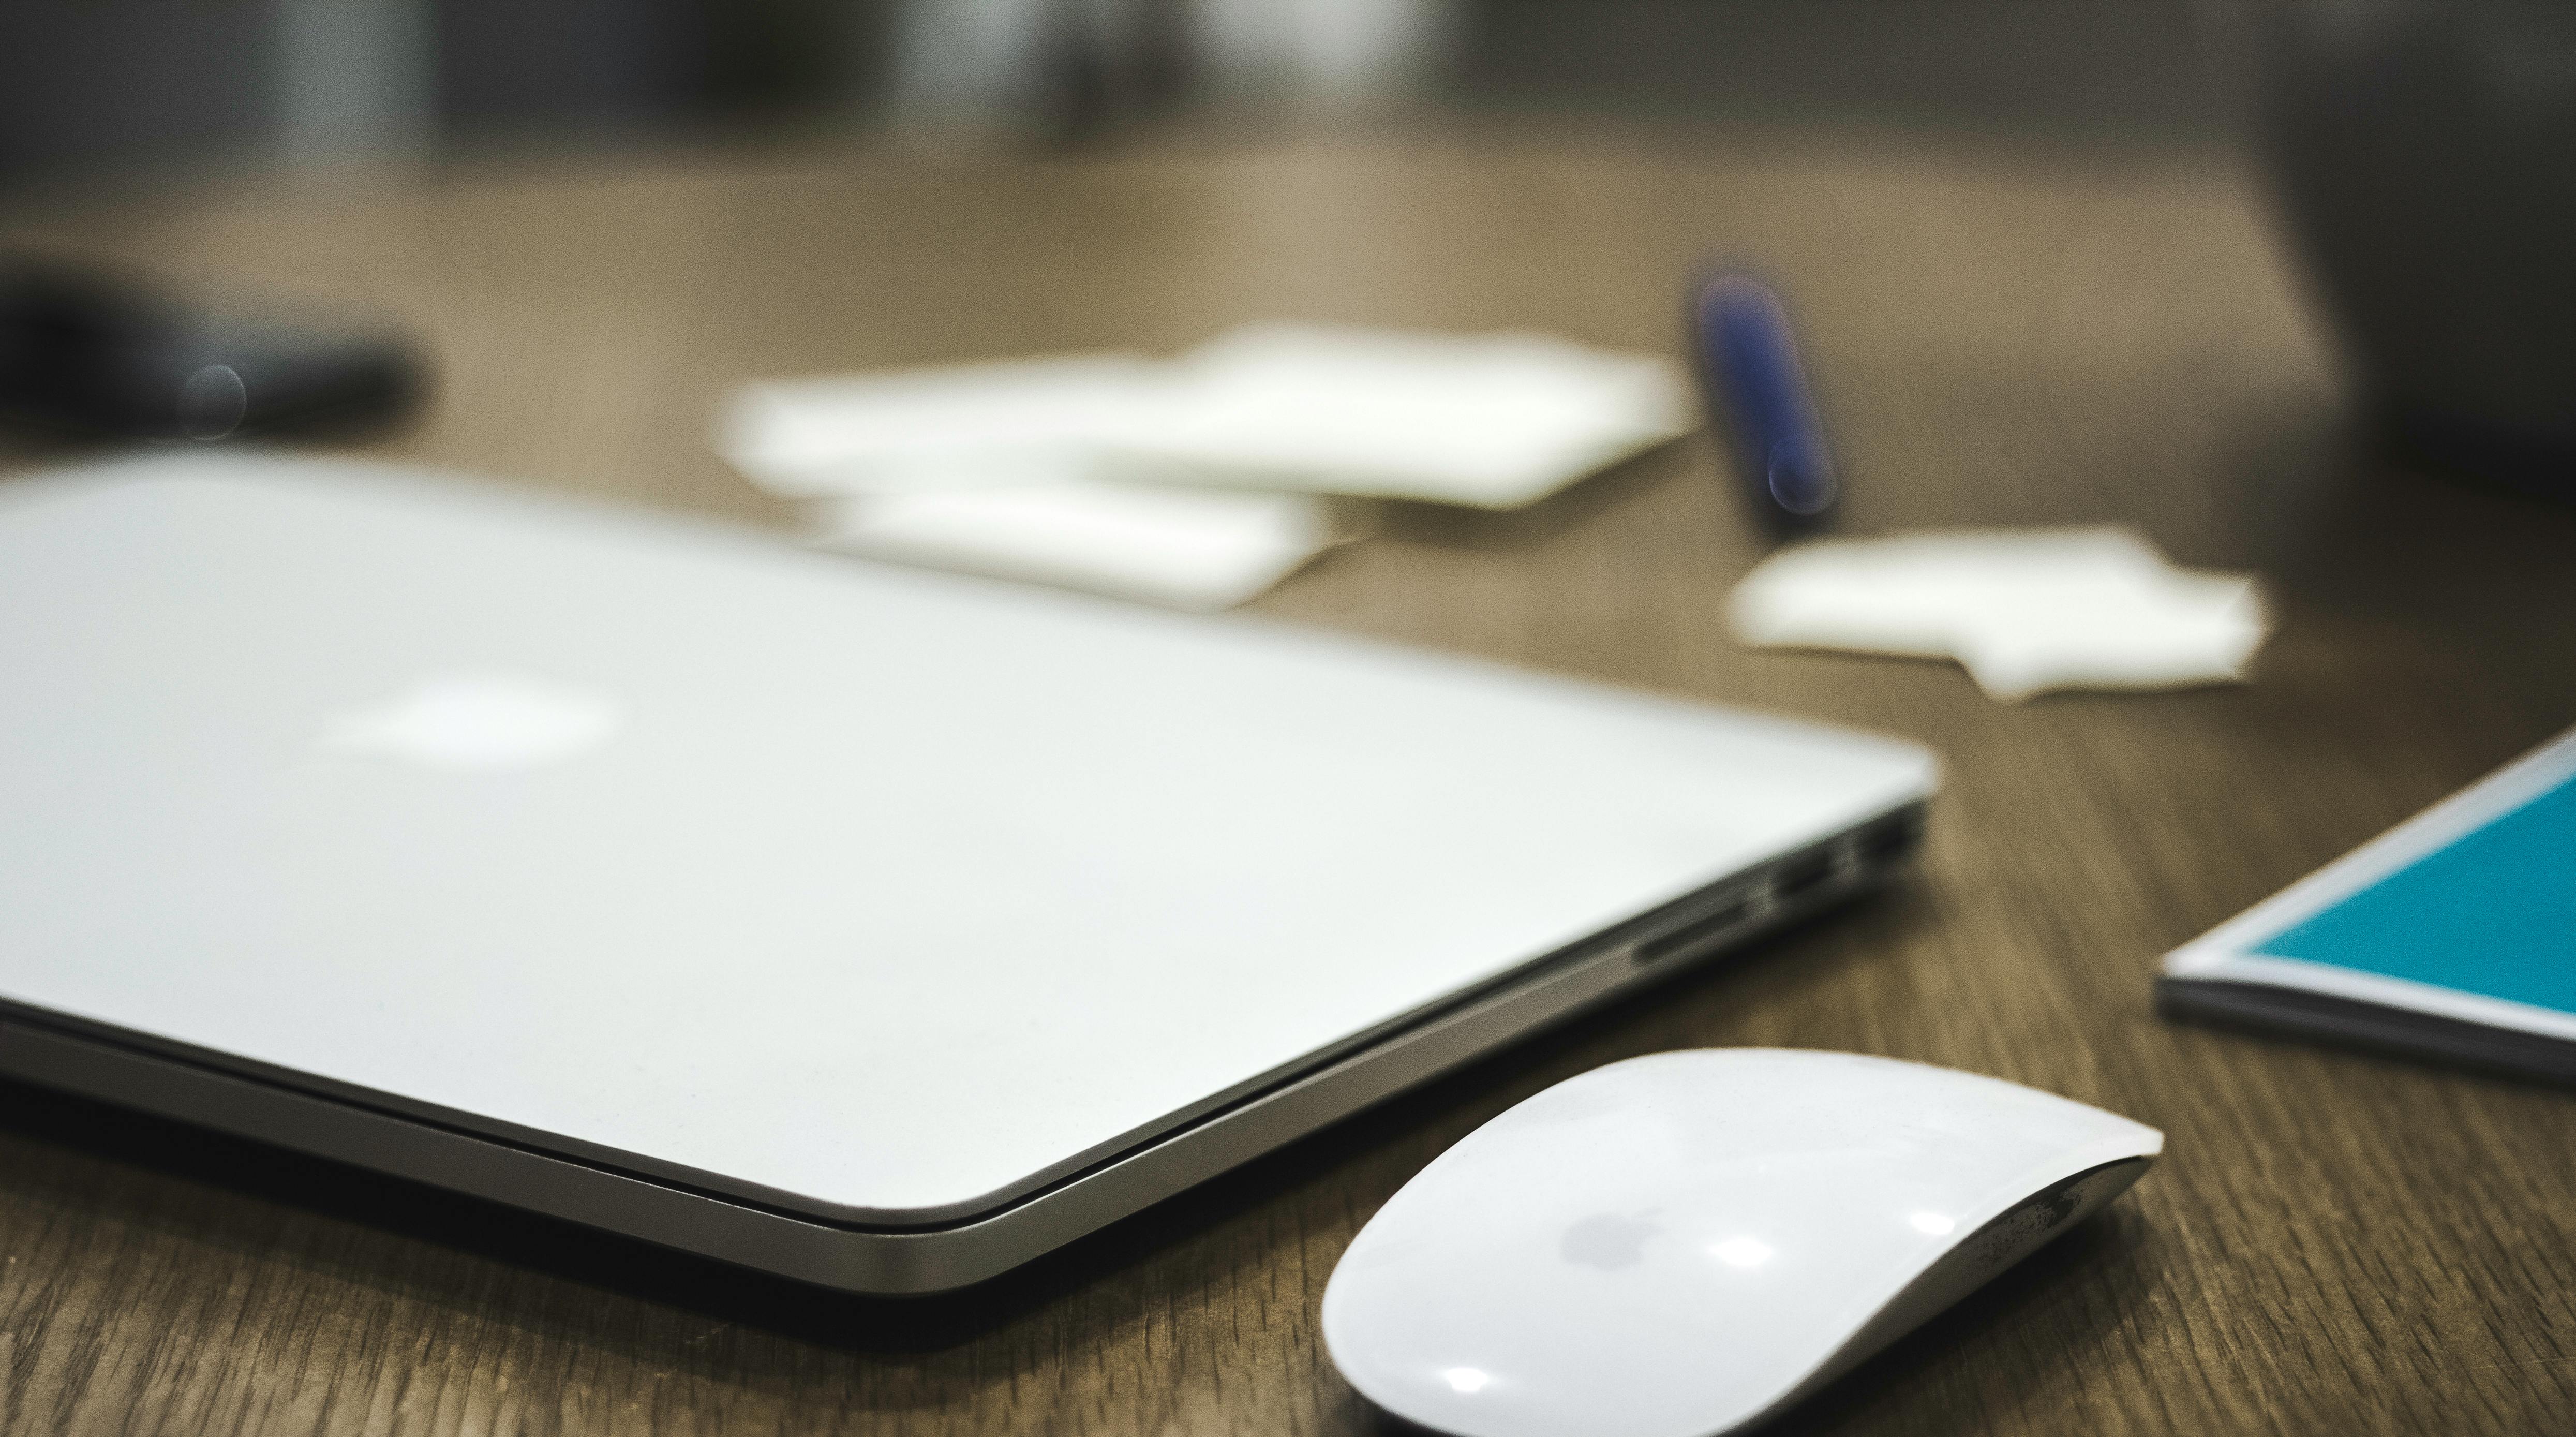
{"x":1890,"y":838}
{"x":1698,"y":932}
{"x":1802,"y":875}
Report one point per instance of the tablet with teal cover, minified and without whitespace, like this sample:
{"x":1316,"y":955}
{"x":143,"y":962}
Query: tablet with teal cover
{"x":2452,"y":935}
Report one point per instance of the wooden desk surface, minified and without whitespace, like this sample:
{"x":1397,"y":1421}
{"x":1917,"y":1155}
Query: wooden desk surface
{"x":2336,"y":1242}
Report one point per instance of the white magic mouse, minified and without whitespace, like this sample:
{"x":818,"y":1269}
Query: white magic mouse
{"x":1683,"y":1244}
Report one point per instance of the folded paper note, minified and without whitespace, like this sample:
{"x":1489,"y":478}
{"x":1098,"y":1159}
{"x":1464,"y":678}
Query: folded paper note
{"x":1007,"y":469}
{"x":2024,"y":611}
{"x":1492,"y":421}
{"x":1080,"y":470}
{"x":960,"y":426}
{"x":1182,"y":548}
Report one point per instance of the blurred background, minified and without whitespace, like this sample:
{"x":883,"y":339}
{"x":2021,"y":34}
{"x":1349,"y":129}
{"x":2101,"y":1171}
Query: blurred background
{"x":169,"y":83}
{"x":2355,"y":208}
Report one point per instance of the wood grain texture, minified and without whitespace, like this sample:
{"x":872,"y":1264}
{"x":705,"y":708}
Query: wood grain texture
{"x":2336,"y":1243}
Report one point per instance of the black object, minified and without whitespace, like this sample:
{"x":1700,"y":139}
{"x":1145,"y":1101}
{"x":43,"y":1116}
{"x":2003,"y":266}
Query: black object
{"x":88,"y":356}
{"x":2425,"y":153}
{"x":2256,"y":1007}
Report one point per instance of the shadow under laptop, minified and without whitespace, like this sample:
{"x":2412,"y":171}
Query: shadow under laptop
{"x":1363,"y":1158}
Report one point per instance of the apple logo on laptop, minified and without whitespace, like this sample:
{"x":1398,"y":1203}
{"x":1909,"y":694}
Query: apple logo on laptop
{"x":478,"y":723}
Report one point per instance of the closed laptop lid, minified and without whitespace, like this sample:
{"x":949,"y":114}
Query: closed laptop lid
{"x":878,"y":895}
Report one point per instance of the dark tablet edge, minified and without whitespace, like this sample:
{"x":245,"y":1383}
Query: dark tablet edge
{"x":2375,"y":1026}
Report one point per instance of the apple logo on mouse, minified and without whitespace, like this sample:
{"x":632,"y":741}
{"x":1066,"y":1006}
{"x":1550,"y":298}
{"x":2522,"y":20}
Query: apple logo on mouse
{"x":1608,"y":1240}
{"x":478,"y":723}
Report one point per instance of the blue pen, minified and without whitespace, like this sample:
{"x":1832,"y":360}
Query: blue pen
{"x":1749,"y":368}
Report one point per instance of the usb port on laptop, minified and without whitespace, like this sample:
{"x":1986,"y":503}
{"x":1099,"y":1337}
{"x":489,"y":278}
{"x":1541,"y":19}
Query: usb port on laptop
{"x":1698,"y":932}
{"x":1800,"y":876}
{"x":1890,"y":838}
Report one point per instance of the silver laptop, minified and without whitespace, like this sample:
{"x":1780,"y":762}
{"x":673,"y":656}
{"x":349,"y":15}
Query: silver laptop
{"x":877,"y":928}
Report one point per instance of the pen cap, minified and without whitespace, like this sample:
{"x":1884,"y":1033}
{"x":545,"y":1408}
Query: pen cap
{"x":1759,"y":389}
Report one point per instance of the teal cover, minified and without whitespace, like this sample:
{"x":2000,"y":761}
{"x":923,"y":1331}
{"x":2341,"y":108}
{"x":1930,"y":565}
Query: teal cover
{"x":2493,"y":912}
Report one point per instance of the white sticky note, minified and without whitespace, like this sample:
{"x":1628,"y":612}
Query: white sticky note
{"x":1190,"y":482}
{"x":1188,"y":549}
{"x":2023,"y":611}
{"x":973,"y":425}
{"x":1494,"y":421}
